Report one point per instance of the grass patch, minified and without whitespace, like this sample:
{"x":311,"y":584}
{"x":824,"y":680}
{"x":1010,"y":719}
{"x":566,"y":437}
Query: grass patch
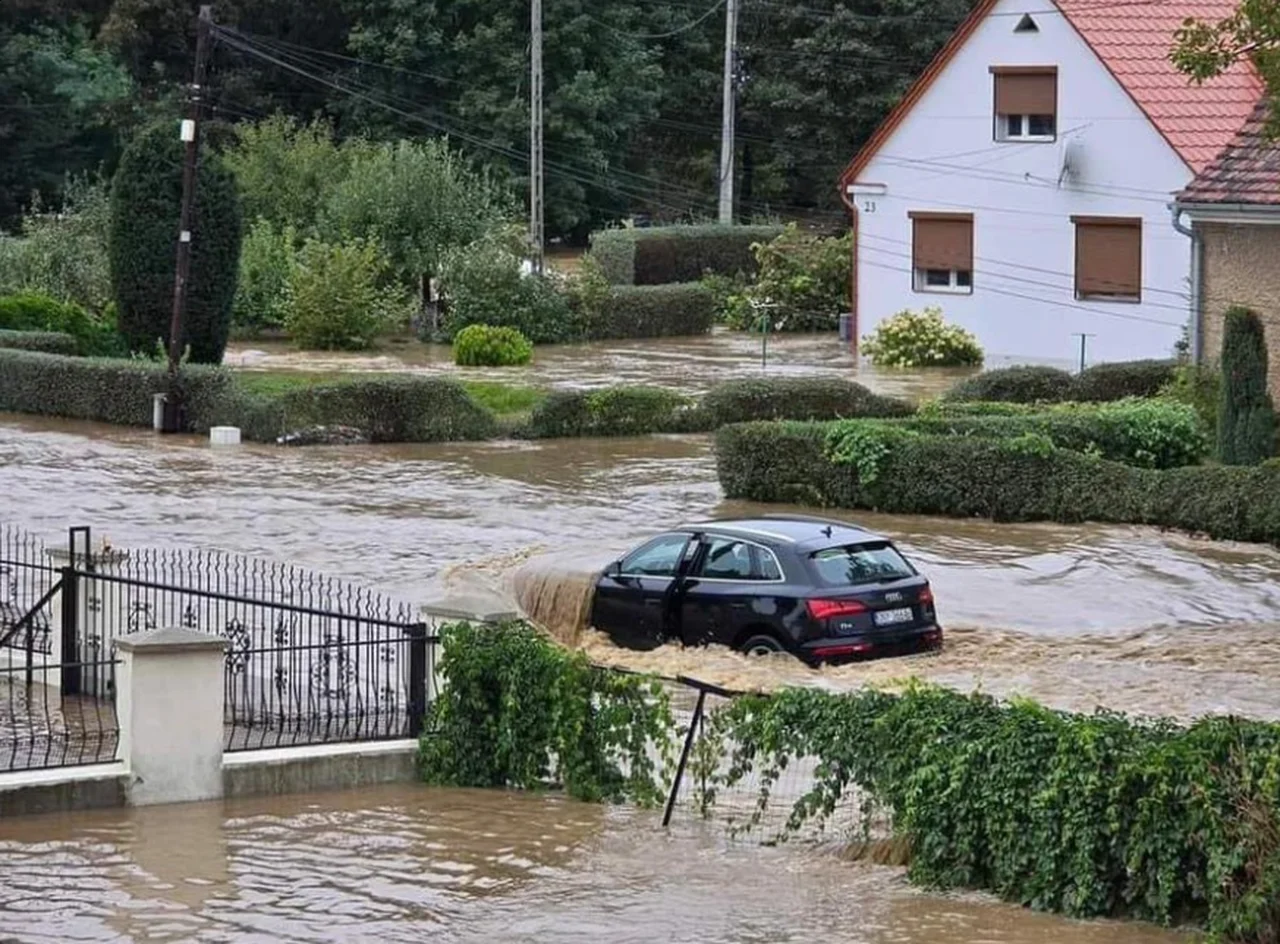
{"x":504,"y":399}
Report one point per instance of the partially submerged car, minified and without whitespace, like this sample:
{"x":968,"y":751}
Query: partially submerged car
{"x":822,"y":590}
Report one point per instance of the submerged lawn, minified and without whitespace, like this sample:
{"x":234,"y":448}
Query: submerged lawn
{"x":500,"y":399}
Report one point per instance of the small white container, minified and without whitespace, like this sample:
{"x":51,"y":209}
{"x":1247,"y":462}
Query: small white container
{"x":224,"y":436}
{"x":157,"y":411}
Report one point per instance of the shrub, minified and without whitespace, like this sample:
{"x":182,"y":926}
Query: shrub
{"x":802,"y":283}
{"x":664,"y":254}
{"x":1200,"y":388}
{"x":485,"y":283}
{"x":145,"y":200}
{"x":911,"y":339}
{"x":49,"y":342}
{"x":1021,"y":384}
{"x":1148,"y":433}
{"x":1089,"y":815}
{"x":337,"y":297}
{"x":731,"y":301}
{"x":485,"y":346}
{"x":971,"y":476}
{"x":612,"y":411}
{"x":1122,"y":379}
{"x":795,"y":398}
{"x":655,"y":311}
{"x":107,"y":391}
{"x":1247,"y":423}
{"x":518,"y":711}
{"x":29,"y":311}
{"x":262,"y":293}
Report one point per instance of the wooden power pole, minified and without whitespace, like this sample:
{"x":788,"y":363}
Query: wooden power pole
{"x":537,"y":222}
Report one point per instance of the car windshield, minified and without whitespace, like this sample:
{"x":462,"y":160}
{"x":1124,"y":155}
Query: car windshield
{"x":860,"y":563}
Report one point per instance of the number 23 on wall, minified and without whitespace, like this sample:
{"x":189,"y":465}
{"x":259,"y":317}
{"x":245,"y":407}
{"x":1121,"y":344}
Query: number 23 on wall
{"x":868,"y":206}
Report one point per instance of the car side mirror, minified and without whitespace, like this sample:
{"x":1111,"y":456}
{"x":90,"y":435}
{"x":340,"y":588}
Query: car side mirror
{"x":614,"y":569}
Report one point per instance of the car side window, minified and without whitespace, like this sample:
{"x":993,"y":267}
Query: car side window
{"x":659,"y":558}
{"x":765,"y":564}
{"x":728,"y":559}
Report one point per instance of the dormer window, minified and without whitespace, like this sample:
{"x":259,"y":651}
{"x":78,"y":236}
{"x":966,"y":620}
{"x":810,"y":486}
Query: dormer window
{"x":1026,"y":103}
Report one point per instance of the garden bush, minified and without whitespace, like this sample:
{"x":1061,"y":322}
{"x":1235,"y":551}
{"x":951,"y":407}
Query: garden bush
{"x":1149,"y":433}
{"x":992,"y":478}
{"x":486,"y":346}
{"x":1246,"y":420}
{"x":145,"y":199}
{"x":1020,"y":384}
{"x":610,"y":411}
{"x":663,"y":254}
{"x":262,"y":292}
{"x":49,"y":342}
{"x":654,"y":311}
{"x":1093,"y":816}
{"x":921,"y":339}
{"x":802,"y":283}
{"x":1200,"y":388}
{"x":794,"y":398}
{"x":31,"y":311}
{"x":1115,"y":381}
{"x":337,"y":296}
{"x":517,"y":711}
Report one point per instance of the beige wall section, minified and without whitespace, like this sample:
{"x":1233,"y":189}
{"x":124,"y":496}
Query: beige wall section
{"x":1242,"y":267}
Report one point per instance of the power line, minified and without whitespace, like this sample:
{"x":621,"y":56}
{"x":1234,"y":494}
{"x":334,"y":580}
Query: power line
{"x":667,"y":35}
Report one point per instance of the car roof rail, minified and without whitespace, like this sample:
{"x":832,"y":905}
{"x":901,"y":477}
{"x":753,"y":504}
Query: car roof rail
{"x":814,"y":519}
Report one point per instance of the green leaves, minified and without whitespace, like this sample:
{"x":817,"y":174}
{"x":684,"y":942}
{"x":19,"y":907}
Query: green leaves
{"x":1246,"y":417}
{"x":480,"y":345}
{"x":518,"y":711}
{"x":921,"y":339}
{"x":337,"y":297}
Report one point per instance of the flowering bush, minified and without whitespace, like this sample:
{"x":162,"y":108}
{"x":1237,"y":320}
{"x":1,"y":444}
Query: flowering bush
{"x":480,"y":345}
{"x":911,"y":339}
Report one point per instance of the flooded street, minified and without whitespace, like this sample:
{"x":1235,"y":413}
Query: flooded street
{"x":1075,"y":615}
{"x":413,"y":864}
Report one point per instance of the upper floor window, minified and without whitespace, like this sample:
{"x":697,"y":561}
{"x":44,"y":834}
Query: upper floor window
{"x":1026,"y":103}
{"x":1108,"y":258}
{"x":942,"y":252}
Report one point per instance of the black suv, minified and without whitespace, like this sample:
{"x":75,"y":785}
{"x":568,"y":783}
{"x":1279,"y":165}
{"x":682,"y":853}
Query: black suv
{"x":820,"y":589}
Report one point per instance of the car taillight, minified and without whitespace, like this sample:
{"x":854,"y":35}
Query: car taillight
{"x":926,"y":595}
{"x":829,"y":609}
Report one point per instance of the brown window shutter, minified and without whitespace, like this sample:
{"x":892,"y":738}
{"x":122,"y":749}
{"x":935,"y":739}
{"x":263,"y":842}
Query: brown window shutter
{"x":1108,"y":256}
{"x":1026,"y":90}
{"x":942,"y":241}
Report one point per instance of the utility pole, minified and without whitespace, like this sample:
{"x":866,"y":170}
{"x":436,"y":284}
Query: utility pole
{"x":190,"y":135}
{"x":727,"y":118}
{"x":537,"y":226}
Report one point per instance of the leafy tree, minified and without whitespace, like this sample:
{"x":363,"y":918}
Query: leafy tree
{"x":337,"y":297}
{"x":1206,"y":49}
{"x":1247,"y":422}
{"x":146,"y":198}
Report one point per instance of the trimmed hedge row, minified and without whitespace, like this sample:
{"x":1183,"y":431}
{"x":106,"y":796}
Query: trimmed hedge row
{"x":1033,"y":384}
{"x":663,"y":254}
{"x":795,"y":398}
{"x":998,"y":479}
{"x":655,"y":311}
{"x":612,"y":411}
{"x":49,"y":342}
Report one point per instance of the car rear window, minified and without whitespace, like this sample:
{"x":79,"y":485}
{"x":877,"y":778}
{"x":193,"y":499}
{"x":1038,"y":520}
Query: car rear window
{"x":860,"y":563}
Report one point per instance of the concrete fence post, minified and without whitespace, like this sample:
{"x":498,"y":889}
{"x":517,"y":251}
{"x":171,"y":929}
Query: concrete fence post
{"x":459,"y":609}
{"x":169,"y":702}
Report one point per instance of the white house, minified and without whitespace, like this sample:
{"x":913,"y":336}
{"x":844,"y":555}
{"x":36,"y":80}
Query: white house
{"x":1024,"y":183}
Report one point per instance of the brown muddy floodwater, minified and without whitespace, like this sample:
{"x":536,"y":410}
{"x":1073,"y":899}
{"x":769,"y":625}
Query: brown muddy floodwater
{"x":1075,"y":615}
{"x":413,"y":864}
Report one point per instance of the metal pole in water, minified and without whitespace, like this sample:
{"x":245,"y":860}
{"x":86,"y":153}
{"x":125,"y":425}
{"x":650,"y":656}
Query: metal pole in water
{"x":684,"y":756}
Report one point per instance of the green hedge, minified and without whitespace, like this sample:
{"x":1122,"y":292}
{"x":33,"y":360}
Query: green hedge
{"x":795,"y":398}
{"x":1093,"y":816}
{"x":105,"y":390}
{"x":31,"y":311}
{"x":612,"y":411}
{"x":1149,"y":433}
{"x":1122,"y":379}
{"x":655,"y":311}
{"x":664,"y":254}
{"x":49,"y":342}
{"x":1006,"y":480}
{"x":1036,"y":384}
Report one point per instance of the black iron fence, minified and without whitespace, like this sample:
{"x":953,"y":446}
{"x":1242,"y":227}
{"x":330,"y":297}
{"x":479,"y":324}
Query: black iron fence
{"x":310,"y":659}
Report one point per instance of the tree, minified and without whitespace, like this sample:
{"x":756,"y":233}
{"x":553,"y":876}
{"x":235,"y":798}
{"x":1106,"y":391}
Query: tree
{"x":1205,"y":49}
{"x":146,"y":198}
{"x":1246,"y":425}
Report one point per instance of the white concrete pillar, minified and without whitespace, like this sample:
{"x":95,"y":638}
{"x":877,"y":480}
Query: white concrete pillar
{"x":169,"y":701}
{"x":457,"y":609}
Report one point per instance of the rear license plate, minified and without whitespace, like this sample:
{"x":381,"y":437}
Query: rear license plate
{"x":890,"y":617}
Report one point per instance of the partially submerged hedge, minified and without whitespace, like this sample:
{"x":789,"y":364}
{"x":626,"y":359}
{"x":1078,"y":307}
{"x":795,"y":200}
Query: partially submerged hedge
{"x":655,"y":311}
{"x":48,"y":342}
{"x":1036,"y":384}
{"x":1006,"y":480}
{"x":612,"y":411}
{"x":1122,"y":379}
{"x":1092,"y":816}
{"x":795,"y":398}
{"x":663,"y":254}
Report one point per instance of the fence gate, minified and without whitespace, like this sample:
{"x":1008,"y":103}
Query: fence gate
{"x":310,"y":659}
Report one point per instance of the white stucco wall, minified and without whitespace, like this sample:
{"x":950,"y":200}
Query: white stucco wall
{"x":1023,"y":304}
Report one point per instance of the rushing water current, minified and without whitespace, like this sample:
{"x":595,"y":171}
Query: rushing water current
{"x":412,"y":864}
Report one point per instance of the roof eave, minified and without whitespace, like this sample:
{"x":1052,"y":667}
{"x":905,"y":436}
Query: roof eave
{"x":1208,"y":212}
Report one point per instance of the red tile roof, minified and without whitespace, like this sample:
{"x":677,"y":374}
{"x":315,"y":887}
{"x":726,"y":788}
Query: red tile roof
{"x":1132,"y":38}
{"x":1247,"y":170}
